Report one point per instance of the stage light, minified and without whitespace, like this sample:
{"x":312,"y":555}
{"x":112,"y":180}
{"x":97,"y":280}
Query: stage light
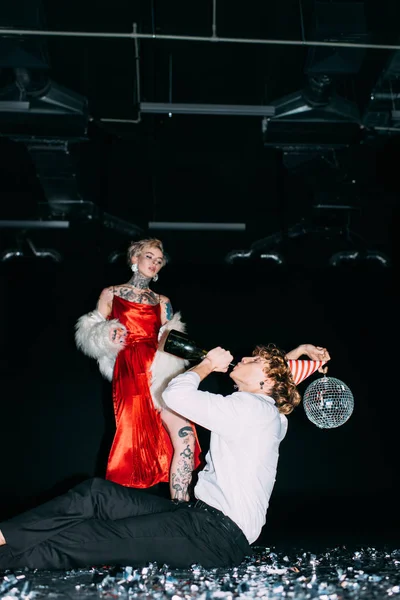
{"x":236,"y":256}
{"x":28,"y":250}
{"x":273,"y":257}
{"x":359,"y":257}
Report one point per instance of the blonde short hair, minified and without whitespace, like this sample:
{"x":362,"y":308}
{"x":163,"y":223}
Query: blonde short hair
{"x":136,"y":248}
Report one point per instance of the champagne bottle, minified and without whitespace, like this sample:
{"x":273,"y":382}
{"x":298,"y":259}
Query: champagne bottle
{"x":179,"y":344}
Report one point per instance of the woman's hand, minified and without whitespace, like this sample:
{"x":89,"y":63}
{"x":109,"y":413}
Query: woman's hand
{"x":118,"y":335}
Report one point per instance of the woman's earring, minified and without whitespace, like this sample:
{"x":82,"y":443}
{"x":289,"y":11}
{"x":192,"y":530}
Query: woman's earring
{"x":155,"y":278}
{"x":262,"y":384}
{"x":134,"y":267}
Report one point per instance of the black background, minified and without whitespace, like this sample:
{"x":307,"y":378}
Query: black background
{"x":56,"y":421}
{"x":57,"y":424}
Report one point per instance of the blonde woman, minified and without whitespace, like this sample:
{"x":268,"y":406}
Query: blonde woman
{"x":125,"y":333}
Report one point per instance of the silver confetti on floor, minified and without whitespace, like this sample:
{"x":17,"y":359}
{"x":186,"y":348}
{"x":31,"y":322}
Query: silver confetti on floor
{"x":360,"y":573}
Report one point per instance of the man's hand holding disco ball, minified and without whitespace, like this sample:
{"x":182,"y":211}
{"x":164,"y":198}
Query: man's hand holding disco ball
{"x":328,"y":402}
{"x":313,"y":352}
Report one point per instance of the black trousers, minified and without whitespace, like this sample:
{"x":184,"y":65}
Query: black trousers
{"x":101,"y":523}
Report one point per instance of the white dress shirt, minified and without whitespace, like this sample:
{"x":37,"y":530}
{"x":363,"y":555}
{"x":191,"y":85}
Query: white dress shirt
{"x":246,"y":430}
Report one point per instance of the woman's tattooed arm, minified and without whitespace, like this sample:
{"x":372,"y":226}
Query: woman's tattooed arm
{"x":166,"y":309}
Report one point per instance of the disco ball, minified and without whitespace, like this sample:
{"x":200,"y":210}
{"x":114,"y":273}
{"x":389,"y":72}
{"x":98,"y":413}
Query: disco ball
{"x":328,"y":402}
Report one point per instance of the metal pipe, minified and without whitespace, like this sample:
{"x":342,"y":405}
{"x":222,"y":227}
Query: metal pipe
{"x":383,"y":128}
{"x":207,"y":109}
{"x":137,"y":69}
{"x":214,"y":21}
{"x":303,"y":36}
{"x":138,"y":92}
{"x":34,"y":224}
{"x":197,"y":38}
{"x":107,"y":120}
{"x":170,"y":226}
{"x":170,"y":78}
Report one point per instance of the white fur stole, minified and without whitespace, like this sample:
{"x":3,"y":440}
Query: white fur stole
{"x":166,"y":366}
{"x":92,"y":337}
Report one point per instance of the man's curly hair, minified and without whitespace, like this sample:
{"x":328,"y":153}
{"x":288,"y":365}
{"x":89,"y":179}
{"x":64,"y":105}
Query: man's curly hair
{"x":136,"y":248}
{"x":284,"y":390}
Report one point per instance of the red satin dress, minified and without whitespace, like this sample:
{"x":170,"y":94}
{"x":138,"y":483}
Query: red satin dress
{"x":141,"y":451}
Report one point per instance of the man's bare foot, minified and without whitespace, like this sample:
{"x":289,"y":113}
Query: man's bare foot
{"x":2,"y":539}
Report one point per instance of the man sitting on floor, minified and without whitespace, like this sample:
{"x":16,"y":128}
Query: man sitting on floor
{"x":99,"y":522}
